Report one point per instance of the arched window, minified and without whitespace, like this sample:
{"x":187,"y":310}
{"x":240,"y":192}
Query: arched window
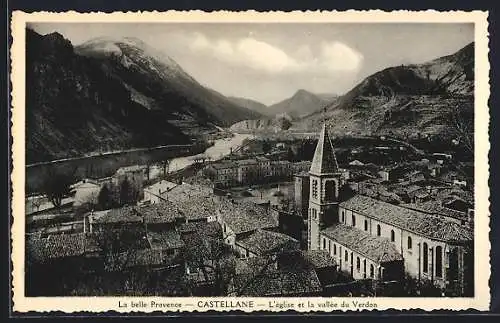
{"x":372,"y":271}
{"x":358,"y":264}
{"x":346,"y":256}
{"x":364,"y":266}
{"x":330,"y":191}
{"x":329,"y":246}
{"x":353,"y":221}
{"x":425,"y":256}
{"x":366,"y":225}
{"x":343,"y":216}
{"x":324,"y":243}
{"x":334,"y":249}
{"x":393,"y":236}
{"x":439,"y":261}
{"x":378,"y":230}
{"x":409,"y":243}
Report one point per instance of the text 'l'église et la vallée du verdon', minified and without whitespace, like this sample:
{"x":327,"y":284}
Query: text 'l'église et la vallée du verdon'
{"x":248,"y":304}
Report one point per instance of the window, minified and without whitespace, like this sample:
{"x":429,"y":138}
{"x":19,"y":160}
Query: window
{"x":409,"y":243}
{"x":372,"y":270}
{"x":358,"y":264}
{"x":343,"y":216}
{"x":346,"y":256}
{"x":330,"y":191}
{"x":439,"y":261}
{"x":353,"y":221}
{"x":366,"y":225}
{"x":324,"y":243}
{"x":334,"y":249}
{"x":364,"y":266}
{"x":425,"y":255}
{"x":393,"y":236}
{"x":315,"y":189}
{"x":378,"y":230}
{"x":329,"y":247}
{"x":247,"y":254}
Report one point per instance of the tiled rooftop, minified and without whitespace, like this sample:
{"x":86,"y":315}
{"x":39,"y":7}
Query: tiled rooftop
{"x":378,"y":249}
{"x":212,"y":229}
{"x":61,"y":246}
{"x":165,"y":240}
{"x":263,"y":241}
{"x":197,"y":207}
{"x":318,"y":258}
{"x":252,"y":280}
{"x":125,"y":214}
{"x":65,"y":245}
{"x":143,"y":257}
{"x":245,"y":217}
{"x":433,"y":227}
{"x":163,"y":212}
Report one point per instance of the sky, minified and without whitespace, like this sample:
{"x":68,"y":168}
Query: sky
{"x":269,"y":62}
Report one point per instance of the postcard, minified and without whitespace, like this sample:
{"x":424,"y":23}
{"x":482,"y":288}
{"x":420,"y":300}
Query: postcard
{"x":250,"y":161}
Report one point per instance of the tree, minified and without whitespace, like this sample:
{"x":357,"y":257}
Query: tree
{"x":56,"y":186}
{"x":165,"y":166}
{"x":147,"y":170}
{"x":125,"y":192}
{"x":213,"y":259}
{"x":104,"y":199}
{"x":463,"y":128}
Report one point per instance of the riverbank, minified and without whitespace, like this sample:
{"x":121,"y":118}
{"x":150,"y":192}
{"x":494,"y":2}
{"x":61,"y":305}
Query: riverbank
{"x":104,"y":165}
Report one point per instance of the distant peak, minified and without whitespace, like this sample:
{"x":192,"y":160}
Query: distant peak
{"x":302,"y":92}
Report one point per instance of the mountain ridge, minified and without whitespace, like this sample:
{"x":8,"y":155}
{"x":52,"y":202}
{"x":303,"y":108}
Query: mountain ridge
{"x":301,"y":103}
{"x":78,"y":104}
{"x":253,"y":105}
{"x":423,"y":99}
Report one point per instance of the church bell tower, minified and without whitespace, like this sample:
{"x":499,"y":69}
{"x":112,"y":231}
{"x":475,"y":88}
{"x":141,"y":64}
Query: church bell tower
{"x":325,"y":183}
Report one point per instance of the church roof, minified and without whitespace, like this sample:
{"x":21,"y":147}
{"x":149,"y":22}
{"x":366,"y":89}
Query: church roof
{"x":324,"y":161}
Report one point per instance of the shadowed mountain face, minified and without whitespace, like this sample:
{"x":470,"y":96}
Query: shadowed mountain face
{"x":429,"y":98}
{"x":110,"y":96}
{"x":159,"y":83}
{"x":252,"y":105}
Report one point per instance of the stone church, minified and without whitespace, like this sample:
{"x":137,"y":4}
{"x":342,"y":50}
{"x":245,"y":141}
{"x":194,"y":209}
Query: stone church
{"x":373,"y":239}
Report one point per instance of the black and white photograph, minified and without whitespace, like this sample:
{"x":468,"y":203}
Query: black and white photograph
{"x":251,"y":159}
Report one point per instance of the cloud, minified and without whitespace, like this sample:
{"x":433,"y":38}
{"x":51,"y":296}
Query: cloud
{"x":338,"y":56}
{"x":262,"y":56}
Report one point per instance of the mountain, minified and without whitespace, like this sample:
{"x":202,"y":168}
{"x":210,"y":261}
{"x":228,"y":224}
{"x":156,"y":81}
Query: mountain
{"x":412,"y":99}
{"x":327,"y":96}
{"x":159,"y":83}
{"x":73,"y":107}
{"x":251,"y":105}
{"x":114,"y":97}
{"x":302,"y":103}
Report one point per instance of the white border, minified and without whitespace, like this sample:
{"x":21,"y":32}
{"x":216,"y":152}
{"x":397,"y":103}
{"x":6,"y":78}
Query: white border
{"x":99,"y":304}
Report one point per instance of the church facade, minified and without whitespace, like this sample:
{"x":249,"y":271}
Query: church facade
{"x":373,"y":239}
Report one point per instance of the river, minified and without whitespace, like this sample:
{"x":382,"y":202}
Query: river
{"x":222,"y":147}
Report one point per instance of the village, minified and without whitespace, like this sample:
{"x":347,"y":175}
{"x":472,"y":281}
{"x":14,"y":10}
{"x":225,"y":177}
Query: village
{"x":260,"y":224}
